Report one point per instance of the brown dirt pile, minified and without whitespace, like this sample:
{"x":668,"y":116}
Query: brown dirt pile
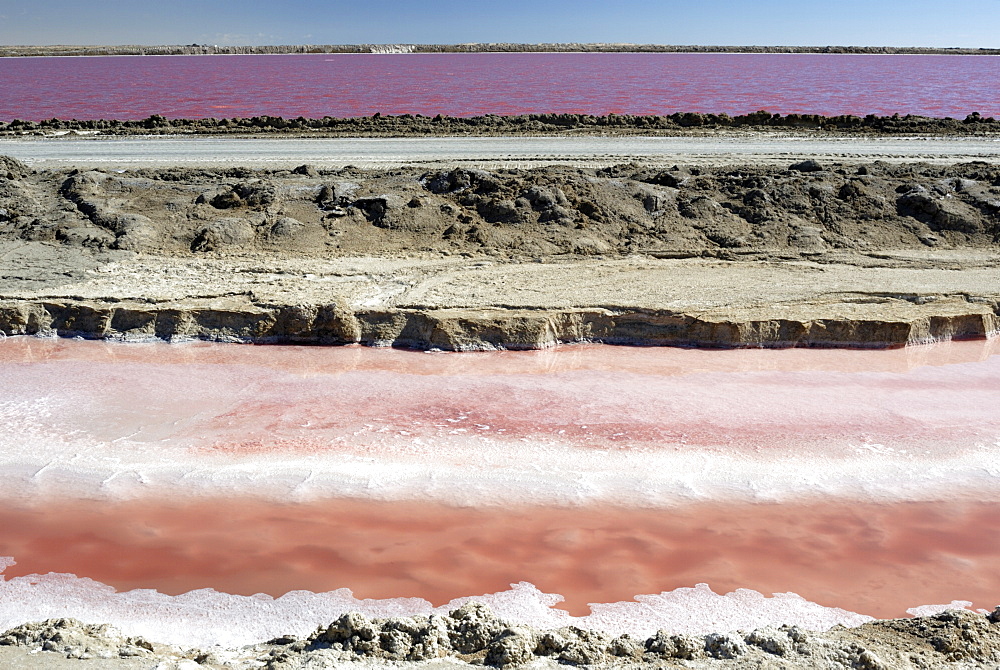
{"x":800,"y":210}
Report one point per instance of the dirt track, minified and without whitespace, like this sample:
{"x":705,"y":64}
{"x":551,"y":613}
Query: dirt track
{"x":489,"y":152}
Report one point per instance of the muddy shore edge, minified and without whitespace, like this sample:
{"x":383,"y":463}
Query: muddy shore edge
{"x":473,"y":636}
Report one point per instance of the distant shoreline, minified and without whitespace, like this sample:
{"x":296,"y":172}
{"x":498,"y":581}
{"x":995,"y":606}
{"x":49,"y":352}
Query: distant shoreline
{"x":207,"y":49}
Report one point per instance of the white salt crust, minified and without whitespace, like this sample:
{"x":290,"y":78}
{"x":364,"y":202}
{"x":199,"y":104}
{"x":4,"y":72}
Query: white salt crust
{"x":206,"y":617}
{"x":483,"y":471}
{"x":130,"y":429}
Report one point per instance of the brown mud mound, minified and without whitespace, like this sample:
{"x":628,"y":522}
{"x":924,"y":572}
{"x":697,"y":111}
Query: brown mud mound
{"x":410,"y":125}
{"x":804,"y":208}
{"x":473,"y":635}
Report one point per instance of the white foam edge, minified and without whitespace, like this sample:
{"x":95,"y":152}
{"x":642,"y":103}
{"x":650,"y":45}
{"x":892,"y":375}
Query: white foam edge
{"x":207,"y":618}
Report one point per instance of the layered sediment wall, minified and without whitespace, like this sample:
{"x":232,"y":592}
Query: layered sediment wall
{"x":489,"y":328}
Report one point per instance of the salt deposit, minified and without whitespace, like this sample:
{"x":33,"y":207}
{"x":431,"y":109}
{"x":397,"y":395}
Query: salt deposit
{"x":856,"y":479}
{"x":123,"y":424}
{"x":207,"y":617}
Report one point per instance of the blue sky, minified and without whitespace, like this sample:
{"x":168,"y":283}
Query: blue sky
{"x":726,"y":22}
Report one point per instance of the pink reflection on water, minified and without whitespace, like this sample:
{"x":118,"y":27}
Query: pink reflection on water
{"x":876,"y":559}
{"x":135,"y":87}
{"x":665,"y":361}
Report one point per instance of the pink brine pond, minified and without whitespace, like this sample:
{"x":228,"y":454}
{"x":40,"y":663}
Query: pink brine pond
{"x":456,"y":84}
{"x":223,"y":494}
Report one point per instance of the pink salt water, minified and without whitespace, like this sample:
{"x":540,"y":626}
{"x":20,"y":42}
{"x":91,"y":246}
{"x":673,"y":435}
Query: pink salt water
{"x":876,"y":559}
{"x":862,"y":480}
{"x":347,"y":85}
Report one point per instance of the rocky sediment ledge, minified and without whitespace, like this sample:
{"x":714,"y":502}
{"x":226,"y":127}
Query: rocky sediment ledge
{"x":479,"y":329}
{"x":473,"y":635}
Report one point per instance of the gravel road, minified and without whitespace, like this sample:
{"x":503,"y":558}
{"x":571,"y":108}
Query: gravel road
{"x":488,"y":152}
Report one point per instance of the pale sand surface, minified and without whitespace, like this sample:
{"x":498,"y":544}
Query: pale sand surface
{"x":720,"y":148}
{"x":903,"y":287}
{"x":835,"y":281}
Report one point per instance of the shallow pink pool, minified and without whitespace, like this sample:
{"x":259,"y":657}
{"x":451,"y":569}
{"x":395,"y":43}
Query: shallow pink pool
{"x":865,"y":482}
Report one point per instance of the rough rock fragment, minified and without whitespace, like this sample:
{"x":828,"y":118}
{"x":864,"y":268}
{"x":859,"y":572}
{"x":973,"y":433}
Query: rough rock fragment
{"x":472,"y":627}
{"x":75,"y":639}
{"x":668,"y":645}
{"x":939,"y":212}
{"x":513,"y":646}
{"x":222,"y":233}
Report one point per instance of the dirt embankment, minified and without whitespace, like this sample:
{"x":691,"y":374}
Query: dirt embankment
{"x":473,"y":636}
{"x":727,"y":212}
{"x":809,"y":254}
{"x":409,"y":125}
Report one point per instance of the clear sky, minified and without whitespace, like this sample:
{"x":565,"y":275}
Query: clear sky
{"x":935,"y":23}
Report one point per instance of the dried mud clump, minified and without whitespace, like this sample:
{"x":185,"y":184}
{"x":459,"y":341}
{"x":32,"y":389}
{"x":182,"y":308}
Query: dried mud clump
{"x":475,"y":635}
{"x":11,"y":168}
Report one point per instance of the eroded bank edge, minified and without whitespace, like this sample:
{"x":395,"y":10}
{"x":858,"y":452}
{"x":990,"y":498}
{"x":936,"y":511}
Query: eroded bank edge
{"x":472,"y":329}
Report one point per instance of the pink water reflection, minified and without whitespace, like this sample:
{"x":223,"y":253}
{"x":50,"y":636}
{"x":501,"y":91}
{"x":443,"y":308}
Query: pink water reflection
{"x":876,"y":559}
{"x":347,"y":85}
